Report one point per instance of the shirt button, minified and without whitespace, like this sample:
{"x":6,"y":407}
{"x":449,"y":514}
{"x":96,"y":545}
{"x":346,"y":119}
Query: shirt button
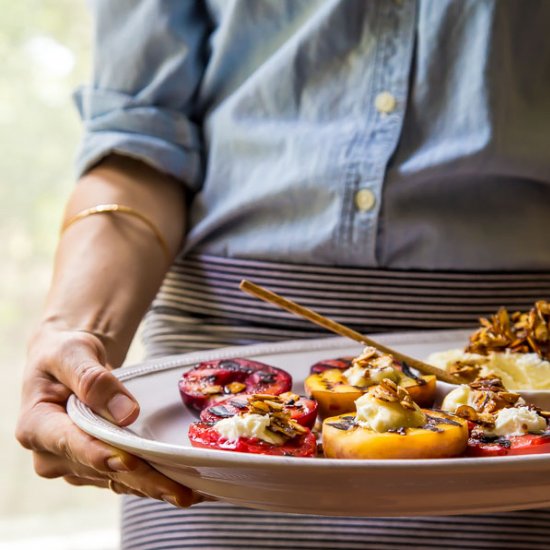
{"x":385,"y":102}
{"x":364,"y":200}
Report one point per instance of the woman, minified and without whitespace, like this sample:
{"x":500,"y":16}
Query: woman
{"x":383,"y":162}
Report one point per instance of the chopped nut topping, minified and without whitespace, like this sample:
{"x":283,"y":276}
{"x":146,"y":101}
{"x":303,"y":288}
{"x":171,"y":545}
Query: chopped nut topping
{"x":289,"y":398}
{"x":469,"y":413}
{"x":211,"y":390}
{"x":468,"y":370}
{"x":489,"y":395}
{"x":371,"y":358}
{"x":518,"y":332}
{"x":235,"y":387}
{"x":493,"y":396}
{"x":258,"y":407}
{"x":488,"y":383}
{"x":363,"y":359}
{"x":263,"y":396}
{"x":389,"y":392}
{"x":273,"y":406}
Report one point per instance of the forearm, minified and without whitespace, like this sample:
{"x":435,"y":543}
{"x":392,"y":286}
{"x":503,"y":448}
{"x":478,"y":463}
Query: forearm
{"x":108,"y":267}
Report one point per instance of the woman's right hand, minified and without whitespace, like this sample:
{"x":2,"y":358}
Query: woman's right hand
{"x":61,"y":362}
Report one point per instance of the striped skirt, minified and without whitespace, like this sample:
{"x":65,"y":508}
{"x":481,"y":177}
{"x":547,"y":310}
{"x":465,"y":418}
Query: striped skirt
{"x":200,"y":306}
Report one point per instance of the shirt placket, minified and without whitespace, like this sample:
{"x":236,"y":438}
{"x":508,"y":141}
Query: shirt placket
{"x":375,"y":142}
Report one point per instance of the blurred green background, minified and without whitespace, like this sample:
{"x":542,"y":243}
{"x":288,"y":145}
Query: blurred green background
{"x":44,"y":55}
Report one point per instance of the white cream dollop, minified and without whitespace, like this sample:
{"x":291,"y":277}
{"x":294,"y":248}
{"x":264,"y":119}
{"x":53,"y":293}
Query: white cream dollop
{"x":362,"y":377}
{"x":247,"y":425}
{"x":462,"y":395}
{"x":517,"y":421}
{"x":381,"y":416}
{"x":518,"y":371}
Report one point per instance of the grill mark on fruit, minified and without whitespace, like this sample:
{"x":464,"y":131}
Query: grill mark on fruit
{"x":239,"y":403}
{"x":233,"y":366}
{"x":442,"y":420}
{"x":345,"y":364}
{"x":221,"y":411}
{"x":410,"y":374}
{"x":431,"y":424}
{"x":345,"y":423}
{"x":493,"y":440}
{"x":432,"y":428}
{"x":266,"y":377}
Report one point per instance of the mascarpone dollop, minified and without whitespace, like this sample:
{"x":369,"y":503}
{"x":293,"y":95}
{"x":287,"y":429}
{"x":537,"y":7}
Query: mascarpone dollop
{"x":517,"y":421}
{"x":247,"y":425}
{"x":518,"y":371}
{"x":462,"y":395}
{"x":382,"y":416}
{"x":365,"y":376}
{"x":509,"y":421}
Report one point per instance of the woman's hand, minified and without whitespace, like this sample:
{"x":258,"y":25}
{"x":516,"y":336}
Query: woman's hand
{"x":61,"y":362}
{"x":107,"y":270}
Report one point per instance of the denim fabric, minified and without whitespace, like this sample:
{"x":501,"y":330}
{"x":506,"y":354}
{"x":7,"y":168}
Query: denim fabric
{"x":271,"y":112}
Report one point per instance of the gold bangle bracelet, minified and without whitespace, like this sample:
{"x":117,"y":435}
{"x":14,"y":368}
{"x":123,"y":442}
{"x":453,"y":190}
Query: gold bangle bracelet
{"x":121,"y":209}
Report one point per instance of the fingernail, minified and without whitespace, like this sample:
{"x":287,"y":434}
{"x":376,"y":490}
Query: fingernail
{"x":171,"y":499}
{"x":121,"y":407}
{"x":116,"y":464}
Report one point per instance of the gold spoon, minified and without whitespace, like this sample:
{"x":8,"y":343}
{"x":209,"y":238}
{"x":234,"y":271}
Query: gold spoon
{"x":342,"y":330}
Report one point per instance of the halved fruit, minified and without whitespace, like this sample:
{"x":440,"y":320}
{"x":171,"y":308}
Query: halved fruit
{"x":301,"y":409}
{"x":342,"y":363}
{"x":205,"y":436}
{"x":335,"y":395}
{"x":212,"y":381}
{"x":444,"y":435}
{"x":512,"y":445}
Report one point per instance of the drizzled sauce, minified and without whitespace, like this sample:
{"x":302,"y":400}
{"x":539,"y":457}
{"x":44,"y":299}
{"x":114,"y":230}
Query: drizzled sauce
{"x":345,"y":423}
{"x":233,"y":366}
{"x":433,"y":421}
{"x":221,"y":411}
{"x":410,"y":374}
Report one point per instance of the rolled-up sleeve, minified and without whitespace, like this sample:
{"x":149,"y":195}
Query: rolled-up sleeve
{"x":149,"y":59}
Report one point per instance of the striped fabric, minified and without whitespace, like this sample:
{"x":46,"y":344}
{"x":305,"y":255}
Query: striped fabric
{"x":200,"y":307}
{"x":152,"y":525}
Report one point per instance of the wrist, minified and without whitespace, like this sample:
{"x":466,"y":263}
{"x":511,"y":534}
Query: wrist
{"x":115,"y":345}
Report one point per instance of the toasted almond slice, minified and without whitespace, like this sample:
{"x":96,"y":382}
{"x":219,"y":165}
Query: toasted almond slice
{"x":262,"y":396}
{"x":260,"y":405}
{"x":236,"y":387}
{"x":211,"y":390}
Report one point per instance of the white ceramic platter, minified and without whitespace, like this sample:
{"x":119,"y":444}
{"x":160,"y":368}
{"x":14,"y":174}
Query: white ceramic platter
{"x":313,"y":485}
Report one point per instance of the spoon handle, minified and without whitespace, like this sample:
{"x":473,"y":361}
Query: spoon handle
{"x":342,"y":330}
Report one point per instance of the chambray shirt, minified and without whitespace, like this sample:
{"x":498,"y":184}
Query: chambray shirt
{"x":378,"y":133}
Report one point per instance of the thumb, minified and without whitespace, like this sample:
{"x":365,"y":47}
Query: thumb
{"x":80,"y":365}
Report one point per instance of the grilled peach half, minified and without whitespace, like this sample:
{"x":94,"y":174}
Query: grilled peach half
{"x":442,"y":436}
{"x":335,"y":395}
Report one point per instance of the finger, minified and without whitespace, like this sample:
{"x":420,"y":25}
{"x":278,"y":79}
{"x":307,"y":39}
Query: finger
{"x":79,"y":364}
{"x":114,"y":486}
{"x":120,"y":488}
{"x":51,"y":466}
{"x":47,"y":428}
{"x":74,"y":448}
{"x":151,"y":482}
